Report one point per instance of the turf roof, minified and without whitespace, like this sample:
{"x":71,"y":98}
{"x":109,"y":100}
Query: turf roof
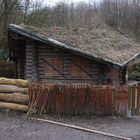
{"x":102,"y":43}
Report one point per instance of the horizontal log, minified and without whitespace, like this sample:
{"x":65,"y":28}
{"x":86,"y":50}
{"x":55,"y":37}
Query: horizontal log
{"x":16,"y":93}
{"x":12,"y":106}
{"x":11,"y":89}
{"x":16,"y":82}
{"x":15,"y":98}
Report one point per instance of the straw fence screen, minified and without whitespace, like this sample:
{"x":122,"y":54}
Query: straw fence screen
{"x":77,"y":99}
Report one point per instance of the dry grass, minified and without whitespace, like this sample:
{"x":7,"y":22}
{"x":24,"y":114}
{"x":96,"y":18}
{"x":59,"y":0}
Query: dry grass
{"x":103,"y":41}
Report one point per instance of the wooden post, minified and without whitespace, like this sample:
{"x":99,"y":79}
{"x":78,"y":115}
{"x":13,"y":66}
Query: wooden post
{"x":113,"y":101}
{"x":138,"y":100}
{"x":133,"y":99}
{"x":129,"y":114}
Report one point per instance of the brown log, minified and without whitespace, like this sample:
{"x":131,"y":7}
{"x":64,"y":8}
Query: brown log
{"x":12,"y":106}
{"x":14,"y":98}
{"x":11,"y":89}
{"x":16,"y":82}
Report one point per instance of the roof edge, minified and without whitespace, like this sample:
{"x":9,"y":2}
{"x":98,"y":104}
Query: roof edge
{"x":83,"y":52}
{"x":131,"y":59}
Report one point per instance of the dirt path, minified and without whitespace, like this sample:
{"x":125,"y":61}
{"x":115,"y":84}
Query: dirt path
{"x":15,"y":126}
{"x":127,"y":127}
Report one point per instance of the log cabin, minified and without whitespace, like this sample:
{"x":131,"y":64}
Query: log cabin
{"x":71,"y":55}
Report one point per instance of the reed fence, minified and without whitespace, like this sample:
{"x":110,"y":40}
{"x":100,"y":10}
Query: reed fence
{"x":78,"y":99}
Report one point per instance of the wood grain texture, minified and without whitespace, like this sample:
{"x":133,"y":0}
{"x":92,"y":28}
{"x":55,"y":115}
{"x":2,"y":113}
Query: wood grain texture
{"x":15,"y":98}
{"x":16,"y":82}
{"x":44,"y":62}
{"x":13,"y":106}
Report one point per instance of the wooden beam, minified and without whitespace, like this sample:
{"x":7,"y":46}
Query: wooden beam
{"x":82,"y":129}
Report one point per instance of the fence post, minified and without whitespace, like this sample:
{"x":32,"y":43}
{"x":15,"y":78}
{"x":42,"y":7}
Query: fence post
{"x":138,"y":100}
{"x":113,"y":101}
{"x":129,"y":113}
{"x":133,"y":99}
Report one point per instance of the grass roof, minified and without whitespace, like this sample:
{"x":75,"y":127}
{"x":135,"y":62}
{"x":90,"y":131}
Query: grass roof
{"x":102,"y":43}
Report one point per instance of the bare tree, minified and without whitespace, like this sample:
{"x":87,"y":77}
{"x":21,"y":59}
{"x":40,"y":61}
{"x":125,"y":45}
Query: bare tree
{"x":7,"y":15}
{"x":122,"y":15}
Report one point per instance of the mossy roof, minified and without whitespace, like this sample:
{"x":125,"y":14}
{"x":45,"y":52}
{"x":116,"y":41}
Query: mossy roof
{"x":102,"y":43}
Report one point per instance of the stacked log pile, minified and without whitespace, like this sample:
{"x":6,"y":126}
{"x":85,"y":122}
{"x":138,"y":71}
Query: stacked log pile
{"x":14,"y":94}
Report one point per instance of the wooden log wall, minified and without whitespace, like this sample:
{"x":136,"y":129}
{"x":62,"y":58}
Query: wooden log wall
{"x":48,"y":64}
{"x":13,"y":94}
{"x":43,"y":62}
{"x":29,"y":60}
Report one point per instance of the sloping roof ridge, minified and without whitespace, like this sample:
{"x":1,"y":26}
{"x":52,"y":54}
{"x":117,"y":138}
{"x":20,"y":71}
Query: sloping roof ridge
{"x":45,"y":39}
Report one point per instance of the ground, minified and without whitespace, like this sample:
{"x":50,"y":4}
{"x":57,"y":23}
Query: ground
{"x":16,"y":126}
